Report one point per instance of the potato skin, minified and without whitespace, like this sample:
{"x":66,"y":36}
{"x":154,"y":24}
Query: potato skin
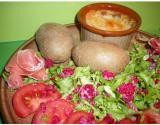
{"x":54,"y":41}
{"x":100,"y":56}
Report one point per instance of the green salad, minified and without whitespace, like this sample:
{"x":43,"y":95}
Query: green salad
{"x":101,"y":93}
{"x":119,"y":95}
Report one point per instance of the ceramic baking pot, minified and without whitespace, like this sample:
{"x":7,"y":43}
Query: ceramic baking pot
{"x":120,"y":38}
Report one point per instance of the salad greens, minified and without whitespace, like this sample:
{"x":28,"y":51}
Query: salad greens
{"x":108,"y":98}
{"x":114,"y":103}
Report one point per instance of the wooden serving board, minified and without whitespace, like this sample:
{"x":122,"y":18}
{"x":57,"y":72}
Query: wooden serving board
{"x":6,"y":94}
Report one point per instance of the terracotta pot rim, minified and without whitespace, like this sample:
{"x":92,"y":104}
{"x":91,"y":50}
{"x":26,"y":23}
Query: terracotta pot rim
{"x":111,"y":6}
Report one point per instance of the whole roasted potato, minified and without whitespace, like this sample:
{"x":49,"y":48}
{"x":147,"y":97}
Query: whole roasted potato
{"x":54,"y":41}
{"x":100,"y":56}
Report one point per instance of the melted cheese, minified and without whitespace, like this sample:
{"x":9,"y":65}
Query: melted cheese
{"x":109,"y":20}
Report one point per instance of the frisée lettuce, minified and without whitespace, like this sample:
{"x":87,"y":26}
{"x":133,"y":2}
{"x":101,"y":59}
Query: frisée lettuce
{"x":135,"y":89}
{"x":107,"y":99}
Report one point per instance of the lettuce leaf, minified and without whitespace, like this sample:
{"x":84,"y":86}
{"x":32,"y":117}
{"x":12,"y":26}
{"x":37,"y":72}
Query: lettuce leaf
{"x":112,"y":106}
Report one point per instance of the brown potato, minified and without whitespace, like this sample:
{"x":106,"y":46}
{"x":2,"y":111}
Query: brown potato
{"x":54,"y":41}
{"x":100,"y":56}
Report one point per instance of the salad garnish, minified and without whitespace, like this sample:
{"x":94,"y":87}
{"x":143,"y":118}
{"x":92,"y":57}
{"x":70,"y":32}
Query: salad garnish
{"x":107,"y":96}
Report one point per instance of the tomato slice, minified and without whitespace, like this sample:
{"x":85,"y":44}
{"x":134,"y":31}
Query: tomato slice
{"x":134,"y":119}
{"x":125,"y":121}
{"x":53,"y":112}
{"x":27,"y":99}
{"x":107,"y":120}
{"x":151,"y":117}
{"x":80,"y":117}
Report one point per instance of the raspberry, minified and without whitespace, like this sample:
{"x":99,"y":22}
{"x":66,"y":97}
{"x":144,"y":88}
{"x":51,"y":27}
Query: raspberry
{"x":87,"y":92}
{"x":108,"y":75}
{"x":127,"y":90}
{"x":66,"y":73}
{"x":48,"y":63}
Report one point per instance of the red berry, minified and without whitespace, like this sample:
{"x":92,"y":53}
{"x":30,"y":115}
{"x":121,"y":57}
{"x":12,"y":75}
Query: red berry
{"x":66,"y":73}
{"x":108,"y":75}
{"x":87,"y":92}
{"x":127,"y":90}
{"x":48,"y":63}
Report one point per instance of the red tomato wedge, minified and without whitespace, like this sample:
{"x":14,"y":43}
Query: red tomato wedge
{"x":54,"y":112}
{"x":151,"y":117}
{"x":107,"y":120}
{"x":80,"y":117}
{"x":125,"y":121}
{"x":28,"y":98}
{"x":134,"y":119}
